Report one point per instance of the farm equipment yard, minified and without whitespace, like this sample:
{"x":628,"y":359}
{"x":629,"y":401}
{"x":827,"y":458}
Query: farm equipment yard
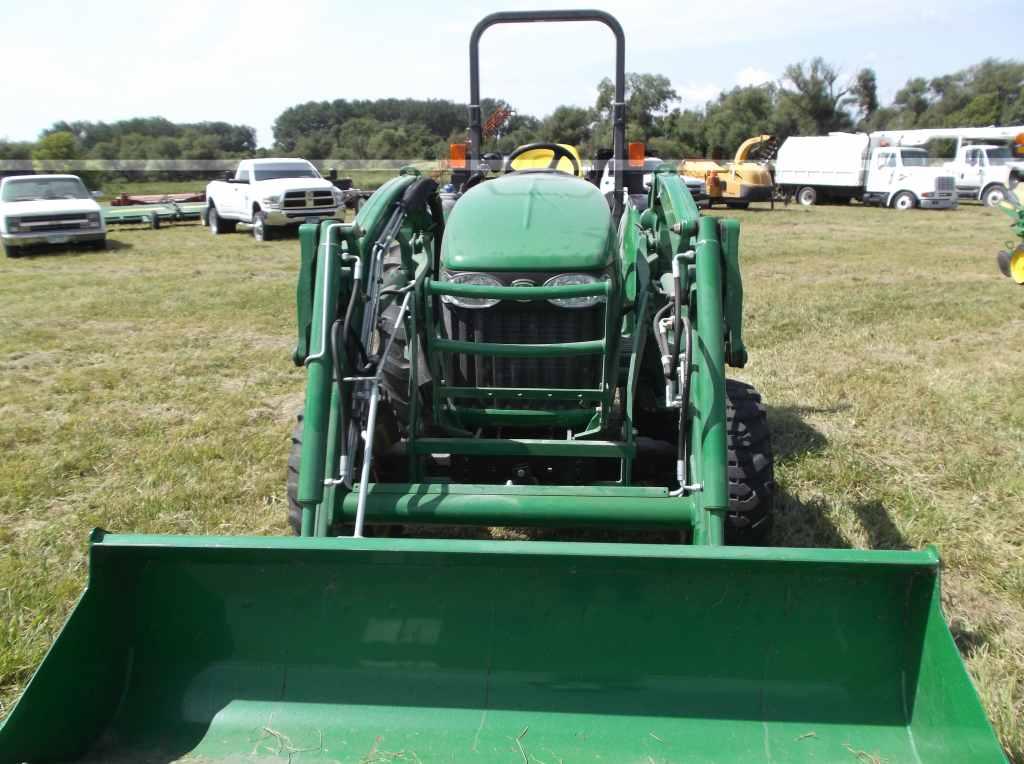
{"x":150,"y":388}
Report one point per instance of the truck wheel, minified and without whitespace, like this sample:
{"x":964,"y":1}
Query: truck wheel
{"x":751,"y":466}
{"x":807,"y":196}
{"x":12,"y":251}
{"x":219,"y":225}
{"x":994,"y":195}
{"x":260,"y":230}
{"x":904,"y":200}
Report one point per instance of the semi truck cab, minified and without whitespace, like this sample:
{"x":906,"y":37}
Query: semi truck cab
{"x":986,"y":172}
{"x":900,"y":177}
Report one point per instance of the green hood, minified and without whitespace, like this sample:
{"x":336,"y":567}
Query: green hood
{"x":529,"y":221}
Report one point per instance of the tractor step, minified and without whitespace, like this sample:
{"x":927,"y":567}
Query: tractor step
{"x":524,"y":447}
{"x":522,"y":505}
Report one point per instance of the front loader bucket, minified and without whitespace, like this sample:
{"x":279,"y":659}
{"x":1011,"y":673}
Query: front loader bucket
{"x":391,"y":650}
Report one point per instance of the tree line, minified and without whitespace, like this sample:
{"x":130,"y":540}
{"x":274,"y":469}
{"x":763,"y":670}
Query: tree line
{"x":144,"y":138}
{"x":811,"y":98}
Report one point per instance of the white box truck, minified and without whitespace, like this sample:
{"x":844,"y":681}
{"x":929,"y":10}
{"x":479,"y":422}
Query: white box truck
{"x":839,"y":167}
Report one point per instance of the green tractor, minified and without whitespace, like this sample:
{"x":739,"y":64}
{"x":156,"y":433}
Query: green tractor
{"x":521,"y":353}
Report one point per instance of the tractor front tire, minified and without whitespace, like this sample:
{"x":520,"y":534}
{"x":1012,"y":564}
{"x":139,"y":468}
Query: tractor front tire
{"x":751,"y":466}
{"x":397,"y":370}
{"x":294,"y":457}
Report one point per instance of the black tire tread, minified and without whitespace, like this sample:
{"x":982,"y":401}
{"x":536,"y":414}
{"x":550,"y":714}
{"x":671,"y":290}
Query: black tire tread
{"x":750,"y":465}
{"x":294,"y":457}
{"x":223,"y":226}
{"x":397,"y":369}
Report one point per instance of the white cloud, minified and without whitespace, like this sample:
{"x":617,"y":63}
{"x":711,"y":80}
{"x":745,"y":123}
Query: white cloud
{"x":750,"y":75}
{"x":696,"y":94}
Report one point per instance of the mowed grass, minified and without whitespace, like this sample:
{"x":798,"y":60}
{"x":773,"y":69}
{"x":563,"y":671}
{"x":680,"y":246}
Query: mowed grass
{"x":150,"y":389}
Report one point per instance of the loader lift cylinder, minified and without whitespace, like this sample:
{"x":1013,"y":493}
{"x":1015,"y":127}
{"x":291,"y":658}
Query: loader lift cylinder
{"x":709,"y":427}
{"x":319,"y":386}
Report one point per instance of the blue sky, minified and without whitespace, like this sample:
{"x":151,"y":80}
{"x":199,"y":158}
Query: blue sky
{"x":246,"y":62}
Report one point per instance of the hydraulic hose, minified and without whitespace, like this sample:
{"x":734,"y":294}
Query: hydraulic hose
{"x":662,"y":340}
{"x":684,"y":400}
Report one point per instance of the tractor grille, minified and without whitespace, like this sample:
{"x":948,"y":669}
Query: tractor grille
{"x":297,"y":200}
{"x":530,"y":323}
{"x":944,"y":183}
{"x":74,"y":221}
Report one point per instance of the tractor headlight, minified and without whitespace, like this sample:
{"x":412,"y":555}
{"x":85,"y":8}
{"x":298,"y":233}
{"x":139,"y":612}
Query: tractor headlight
{"x":570,"y":279}
{"x":473,"y":279}
{"x":272,"y":202}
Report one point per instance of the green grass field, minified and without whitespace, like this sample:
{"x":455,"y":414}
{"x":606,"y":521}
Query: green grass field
{"x":149,"y":388}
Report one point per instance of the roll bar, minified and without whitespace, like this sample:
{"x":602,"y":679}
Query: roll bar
{"x":618,"y":106}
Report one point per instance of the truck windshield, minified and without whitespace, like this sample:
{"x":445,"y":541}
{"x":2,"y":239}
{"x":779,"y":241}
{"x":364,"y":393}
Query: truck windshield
{"x":272,"y":171}
{"x":31,"y":189}
{"x":914,"y":158}
{"x":1000,"y":155}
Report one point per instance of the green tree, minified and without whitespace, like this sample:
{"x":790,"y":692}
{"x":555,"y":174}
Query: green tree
{"x":741,"y":113}
{"x":568,"y":124}
{"x":911,"y":102}
{"x":648,"y":97}
{"x":864,"y":94}
{"x":812,"y":98}
{"x":54,"y":152}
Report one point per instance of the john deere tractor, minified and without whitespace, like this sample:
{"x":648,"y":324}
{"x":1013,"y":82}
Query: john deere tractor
{"x":522,"y":339}
{"x":524,"y":353}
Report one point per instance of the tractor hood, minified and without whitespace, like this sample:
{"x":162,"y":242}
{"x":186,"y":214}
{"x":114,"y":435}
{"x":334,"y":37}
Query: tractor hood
{"x":529,"y":221}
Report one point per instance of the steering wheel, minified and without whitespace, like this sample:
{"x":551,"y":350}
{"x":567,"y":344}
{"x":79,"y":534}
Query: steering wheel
{"x":558,"y":152}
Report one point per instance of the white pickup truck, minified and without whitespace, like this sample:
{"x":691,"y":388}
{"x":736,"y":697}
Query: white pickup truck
{"x":839,"y":167}
{"x":987,"y":161}
{"x":270,"y":194}
{"x":48,"y":209}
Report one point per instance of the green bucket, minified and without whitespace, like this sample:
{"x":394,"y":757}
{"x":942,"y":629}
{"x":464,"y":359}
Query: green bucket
{"x":395,"y":650}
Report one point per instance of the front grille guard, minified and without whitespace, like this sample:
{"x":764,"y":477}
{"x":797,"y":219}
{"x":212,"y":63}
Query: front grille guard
{"x":456,"y":417}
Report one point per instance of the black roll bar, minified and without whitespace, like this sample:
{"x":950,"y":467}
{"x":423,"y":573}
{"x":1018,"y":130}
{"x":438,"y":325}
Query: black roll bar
{"x":618,"y":106}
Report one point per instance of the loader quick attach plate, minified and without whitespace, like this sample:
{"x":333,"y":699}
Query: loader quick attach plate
{"x":343,"y":650}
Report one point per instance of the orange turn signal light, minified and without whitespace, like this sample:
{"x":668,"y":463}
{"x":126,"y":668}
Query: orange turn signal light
{"x":637,"y":152}
{"x":457,"y":156}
